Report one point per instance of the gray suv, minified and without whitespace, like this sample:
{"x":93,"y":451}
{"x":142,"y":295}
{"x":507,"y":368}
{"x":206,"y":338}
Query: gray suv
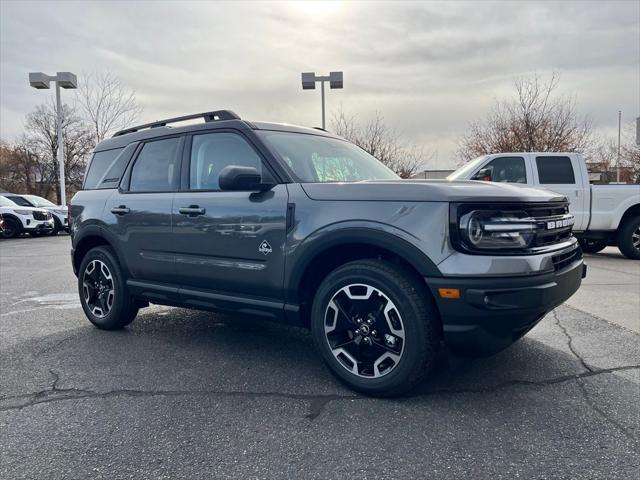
{"x":297,"y":225}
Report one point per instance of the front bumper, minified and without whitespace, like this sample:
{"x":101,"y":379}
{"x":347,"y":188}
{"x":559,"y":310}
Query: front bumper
{"x":494,"y":312}
{"x":43,"y":226}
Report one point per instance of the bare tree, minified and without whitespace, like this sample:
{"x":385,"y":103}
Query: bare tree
{"x":603,"y":157}
{"x":536,"y":119}
{"x":382,"y":142}
{"x":38,"y":148}
{"x":107,"y":104}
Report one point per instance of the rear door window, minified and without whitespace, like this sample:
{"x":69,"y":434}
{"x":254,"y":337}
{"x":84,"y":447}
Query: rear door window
{"x":156,"y":168}
{"x":555,"y":170}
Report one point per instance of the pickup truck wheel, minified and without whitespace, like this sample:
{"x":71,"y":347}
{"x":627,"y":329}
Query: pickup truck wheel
{"x":629,"y":238}
{"x":591,"y":246}
{"x":376,"y":327}
{"x":12,"y":228}
{"x":103,"y":292}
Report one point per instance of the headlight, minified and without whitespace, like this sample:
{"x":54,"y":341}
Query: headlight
{"x":507,"y":229}
{"x":23,"y":212}
{"x":492,"y":230}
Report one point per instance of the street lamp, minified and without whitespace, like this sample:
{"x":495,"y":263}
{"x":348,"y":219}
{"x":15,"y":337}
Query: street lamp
{"x":41,"y":81}
{"x":309,"y":80}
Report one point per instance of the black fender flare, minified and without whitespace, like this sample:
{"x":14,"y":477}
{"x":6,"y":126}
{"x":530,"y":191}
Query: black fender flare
{"x":97,"y":230}
{"x":300,"y":256}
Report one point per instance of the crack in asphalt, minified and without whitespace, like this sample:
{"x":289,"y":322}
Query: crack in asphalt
{"x":624,"y":430}
{"x":575,"y":353}
{"x":317,"y":403}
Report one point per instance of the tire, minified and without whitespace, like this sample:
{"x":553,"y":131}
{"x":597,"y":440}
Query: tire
{"x":57,"y":226}
{"x":591,"y":246}
{"x":12,"y":228}
{"x":396,"y":298}
{"x":103,"y":293}
{"x":629,"y":238}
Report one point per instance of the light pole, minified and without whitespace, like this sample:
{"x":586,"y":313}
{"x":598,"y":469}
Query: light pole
{"x":41,"y":81}
{"x":618,"y":156}
{"x":309,"y":80}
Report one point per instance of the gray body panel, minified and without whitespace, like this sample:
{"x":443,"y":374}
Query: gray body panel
{"x":427,"y":191}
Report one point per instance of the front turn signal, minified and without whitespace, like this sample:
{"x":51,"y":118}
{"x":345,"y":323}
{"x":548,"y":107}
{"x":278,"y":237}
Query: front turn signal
{"x":451,"y":293}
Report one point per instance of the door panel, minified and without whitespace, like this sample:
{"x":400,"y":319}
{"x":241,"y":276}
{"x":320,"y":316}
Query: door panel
{"x":139,"y":214}
{"x":228,"y":241}
{"x":232,"y":242}
{"x":141,"y":223}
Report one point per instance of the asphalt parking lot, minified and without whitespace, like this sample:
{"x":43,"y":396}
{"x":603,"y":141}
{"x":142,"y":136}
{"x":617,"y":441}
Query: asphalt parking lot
{"x":185,"y":394}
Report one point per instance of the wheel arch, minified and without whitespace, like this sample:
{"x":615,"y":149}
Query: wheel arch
{"x":93,"y":236}
{"x":316,"y":259}
{"x":14,"y":218}
{"x":632,"y":211}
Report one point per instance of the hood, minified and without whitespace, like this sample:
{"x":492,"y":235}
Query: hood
{"x":429,"y":191}
{"x":26,"y":209}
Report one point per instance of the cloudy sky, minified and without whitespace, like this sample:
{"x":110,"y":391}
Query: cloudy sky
{"x":427,"y":67}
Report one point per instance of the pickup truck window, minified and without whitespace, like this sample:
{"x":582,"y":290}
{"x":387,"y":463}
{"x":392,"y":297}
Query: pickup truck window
{"x":315,"y":158}
{"x":555,"y":170}
{"x":507,"y":169}
{"x":211,"y":152}
{"x":155,"y":169}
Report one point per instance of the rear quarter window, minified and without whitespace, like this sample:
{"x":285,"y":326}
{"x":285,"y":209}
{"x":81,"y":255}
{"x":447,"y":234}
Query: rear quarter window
{"x":105,"y":169}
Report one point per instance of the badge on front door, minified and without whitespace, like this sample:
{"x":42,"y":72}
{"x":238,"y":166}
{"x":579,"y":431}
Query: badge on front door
{"x":265,"y":248}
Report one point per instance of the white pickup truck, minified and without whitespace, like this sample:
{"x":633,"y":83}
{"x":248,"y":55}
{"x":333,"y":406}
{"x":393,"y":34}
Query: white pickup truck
{"x":604,"y":214}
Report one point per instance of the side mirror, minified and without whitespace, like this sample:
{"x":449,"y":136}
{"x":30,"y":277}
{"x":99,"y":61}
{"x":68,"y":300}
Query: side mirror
{"x":246,"y":179}
{"x":483,"y":174}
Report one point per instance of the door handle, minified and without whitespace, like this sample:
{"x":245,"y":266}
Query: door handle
{"x":192,"y":210}
{"x":121,"y":210}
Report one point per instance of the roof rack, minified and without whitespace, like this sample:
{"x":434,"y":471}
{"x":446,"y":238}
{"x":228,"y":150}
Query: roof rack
{"x":208,"y":117}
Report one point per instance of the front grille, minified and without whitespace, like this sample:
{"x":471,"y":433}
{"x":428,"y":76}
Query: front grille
{"x":546,"y":214}
{"x":562,"y":261}
{"x":41,"y":215}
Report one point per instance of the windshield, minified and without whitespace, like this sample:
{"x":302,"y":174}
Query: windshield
{"x":463,"y":172}
{"x":314,"y":158}
{"x":23,"y":202}
{"x":5,"y":202}
{"x":39,"y":201}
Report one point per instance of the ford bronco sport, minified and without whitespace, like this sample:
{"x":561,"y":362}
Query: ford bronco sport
{"x":297,"y":225}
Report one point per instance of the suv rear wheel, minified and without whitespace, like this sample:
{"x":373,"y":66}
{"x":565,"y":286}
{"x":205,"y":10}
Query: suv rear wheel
{"x":376,"y":327}
{"x":629,"y":238}
{"x":103,"y":291}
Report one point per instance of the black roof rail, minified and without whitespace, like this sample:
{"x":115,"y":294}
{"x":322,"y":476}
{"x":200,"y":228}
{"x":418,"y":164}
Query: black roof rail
{"x":320,"y":128}
{"x":208,"y":117}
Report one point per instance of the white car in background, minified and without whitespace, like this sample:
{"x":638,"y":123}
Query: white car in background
{"x":17,"y":219}
{"x":60,"y":213}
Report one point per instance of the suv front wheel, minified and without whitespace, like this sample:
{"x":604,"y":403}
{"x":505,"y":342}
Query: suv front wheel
{"x":103,"y":291}
{"x":376,"y":327}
